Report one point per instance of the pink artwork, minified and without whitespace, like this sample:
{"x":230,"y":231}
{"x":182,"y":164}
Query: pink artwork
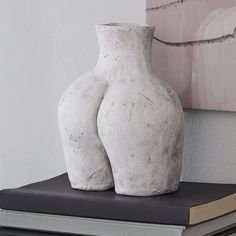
{"x":194,"y":50}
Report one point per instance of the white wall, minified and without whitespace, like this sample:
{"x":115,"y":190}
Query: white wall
{"x":210,"y":146}
{"x":44,"y":46}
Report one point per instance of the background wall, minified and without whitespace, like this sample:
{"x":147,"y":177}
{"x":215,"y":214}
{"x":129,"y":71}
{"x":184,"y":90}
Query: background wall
{"x":44,"y":46}
{"x":210,"y":146}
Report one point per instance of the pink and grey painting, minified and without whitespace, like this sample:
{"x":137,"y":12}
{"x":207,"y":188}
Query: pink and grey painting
{"x":194,"y":50}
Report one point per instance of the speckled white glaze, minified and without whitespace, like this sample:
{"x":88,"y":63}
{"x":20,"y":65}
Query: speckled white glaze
{"x":120,"y":121}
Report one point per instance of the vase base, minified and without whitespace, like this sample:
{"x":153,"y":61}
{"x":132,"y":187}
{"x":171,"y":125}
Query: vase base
{"x":97,"y":187}
{"x":142,"y":193}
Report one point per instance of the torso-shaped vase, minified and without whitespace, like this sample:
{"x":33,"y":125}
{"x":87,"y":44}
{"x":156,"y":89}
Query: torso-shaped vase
{"x":120,"y":125}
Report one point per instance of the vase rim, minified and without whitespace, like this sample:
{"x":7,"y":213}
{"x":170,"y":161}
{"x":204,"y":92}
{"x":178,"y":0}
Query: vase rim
{"x":126,"y":26}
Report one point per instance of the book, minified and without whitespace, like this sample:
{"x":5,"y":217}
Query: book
{"x":22,"y":232}
{"x":193,"y":203}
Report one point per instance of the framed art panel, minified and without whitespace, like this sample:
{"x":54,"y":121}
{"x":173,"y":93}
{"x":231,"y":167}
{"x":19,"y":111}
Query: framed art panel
{"x":194,"y":50}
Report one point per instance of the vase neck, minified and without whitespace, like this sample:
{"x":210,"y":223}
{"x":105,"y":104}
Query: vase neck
{"x":122,"y":44}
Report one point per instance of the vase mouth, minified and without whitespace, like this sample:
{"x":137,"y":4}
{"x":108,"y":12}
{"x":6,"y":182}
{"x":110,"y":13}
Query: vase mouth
{"x":125,"y":26}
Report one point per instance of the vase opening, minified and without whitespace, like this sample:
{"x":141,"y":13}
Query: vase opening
{"x":127,"y":26}
{"x":122,"y":42}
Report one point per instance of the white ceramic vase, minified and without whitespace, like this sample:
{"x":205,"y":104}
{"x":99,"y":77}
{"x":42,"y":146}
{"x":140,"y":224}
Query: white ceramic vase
{"x":120,"y":124}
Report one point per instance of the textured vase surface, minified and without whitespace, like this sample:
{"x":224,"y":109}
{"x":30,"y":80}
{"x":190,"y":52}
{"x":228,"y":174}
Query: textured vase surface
{"x":120,"y":124}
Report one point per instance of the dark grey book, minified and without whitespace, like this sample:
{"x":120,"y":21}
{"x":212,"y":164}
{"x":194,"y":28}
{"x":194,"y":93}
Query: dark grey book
{"x":191,"y":204}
